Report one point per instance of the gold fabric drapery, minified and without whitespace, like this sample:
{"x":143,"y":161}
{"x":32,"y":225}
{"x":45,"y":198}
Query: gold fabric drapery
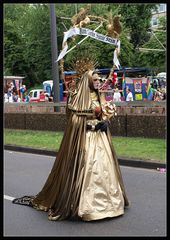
{"x":85,"y":180}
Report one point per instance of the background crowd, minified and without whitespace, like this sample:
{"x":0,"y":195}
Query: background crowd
{"x":112,"y":90}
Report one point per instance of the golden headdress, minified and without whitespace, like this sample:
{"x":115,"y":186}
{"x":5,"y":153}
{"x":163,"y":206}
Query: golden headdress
{"x":83,"y":62}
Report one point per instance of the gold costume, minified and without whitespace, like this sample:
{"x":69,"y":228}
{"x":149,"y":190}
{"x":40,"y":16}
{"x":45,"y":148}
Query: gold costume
{"x":85,"y":181}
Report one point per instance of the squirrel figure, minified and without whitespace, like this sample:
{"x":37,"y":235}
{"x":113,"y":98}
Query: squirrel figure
{"x":114,"y":28}
{"x":81,"y":19}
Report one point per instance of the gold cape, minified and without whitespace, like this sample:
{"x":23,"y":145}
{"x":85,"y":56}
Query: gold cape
{"x":85,"y":180}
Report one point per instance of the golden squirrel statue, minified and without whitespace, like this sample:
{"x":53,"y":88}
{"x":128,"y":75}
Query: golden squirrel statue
{"x":81,"y":19}
{"x":114,"y":28}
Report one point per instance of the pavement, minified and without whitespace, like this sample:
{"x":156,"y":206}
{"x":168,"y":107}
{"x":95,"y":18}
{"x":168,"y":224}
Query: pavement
{"x":141,"y":163}
{"x":25,"y":174}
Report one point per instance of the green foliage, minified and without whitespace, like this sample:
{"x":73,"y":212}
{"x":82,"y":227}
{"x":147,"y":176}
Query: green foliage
{"x":137,"y":17}
{"x":27,"y":38}
{"x":27,"y":42}
{"x":102,"y":51}
{"x":130,"y":147}
{"x":156,"y":59}
{"x":38,"y":45}
{"x":13,"y":46}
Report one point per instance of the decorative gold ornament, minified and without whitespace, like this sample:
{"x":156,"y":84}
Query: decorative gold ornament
{"x":114,"y":28}
{"x":81,"y":64}
{"x":109,"y":110}
{"x":81,"y":18}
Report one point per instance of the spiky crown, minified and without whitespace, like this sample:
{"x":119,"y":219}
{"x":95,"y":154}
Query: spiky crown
{"x":83,"y":64}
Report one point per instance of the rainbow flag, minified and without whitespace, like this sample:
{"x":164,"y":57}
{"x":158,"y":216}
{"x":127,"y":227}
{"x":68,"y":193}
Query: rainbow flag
{"x":123,"y":84}
{"x":149,"y":90}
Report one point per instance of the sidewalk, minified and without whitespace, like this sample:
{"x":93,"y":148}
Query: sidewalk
{"x":122,"y":161}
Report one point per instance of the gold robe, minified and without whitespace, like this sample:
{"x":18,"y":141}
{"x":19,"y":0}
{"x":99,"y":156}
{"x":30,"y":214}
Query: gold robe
{"x":85,"y":180}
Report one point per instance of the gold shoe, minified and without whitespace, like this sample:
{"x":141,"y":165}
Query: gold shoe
{"x":53,"y":218}
{"x":40,"y":207}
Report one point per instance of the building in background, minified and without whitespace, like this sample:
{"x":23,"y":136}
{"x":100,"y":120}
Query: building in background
{"x":161,"y":11}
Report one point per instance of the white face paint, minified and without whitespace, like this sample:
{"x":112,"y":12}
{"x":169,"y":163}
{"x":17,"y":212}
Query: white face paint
{"x":96,"y":82}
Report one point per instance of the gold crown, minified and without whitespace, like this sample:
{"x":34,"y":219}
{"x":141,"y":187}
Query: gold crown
{"x":83,"y":64}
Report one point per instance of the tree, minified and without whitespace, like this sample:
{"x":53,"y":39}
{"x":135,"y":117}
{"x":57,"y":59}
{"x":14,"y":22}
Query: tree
{"x":102,"y":51}
{"x":136,"y":18}
{"x":156,"y":59}
{"x":36,"y":35}
{"x":27,"y":38}
{"x":13,"y":45}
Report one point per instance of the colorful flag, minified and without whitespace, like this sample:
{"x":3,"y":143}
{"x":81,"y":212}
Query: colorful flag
{"x":123,"y":84}
{"x":149,"y":90}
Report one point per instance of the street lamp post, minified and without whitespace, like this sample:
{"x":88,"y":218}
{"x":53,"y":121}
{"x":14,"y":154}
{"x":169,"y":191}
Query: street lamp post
{"x":54,"y":53}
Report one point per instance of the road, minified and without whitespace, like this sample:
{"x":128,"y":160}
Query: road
{"x":25,"y":174}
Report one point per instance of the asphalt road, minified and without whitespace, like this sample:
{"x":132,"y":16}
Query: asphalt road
{"x":25,"y":174}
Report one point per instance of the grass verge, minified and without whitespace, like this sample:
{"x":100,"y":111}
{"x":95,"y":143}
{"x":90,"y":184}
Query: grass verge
{"x":127,"y":147}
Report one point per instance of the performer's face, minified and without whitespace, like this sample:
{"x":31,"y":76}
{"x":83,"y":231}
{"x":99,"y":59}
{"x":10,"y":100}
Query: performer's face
{"x":96,"y":82}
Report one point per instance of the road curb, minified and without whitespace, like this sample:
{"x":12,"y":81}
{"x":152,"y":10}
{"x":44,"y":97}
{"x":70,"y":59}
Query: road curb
{"x":122,"y":161}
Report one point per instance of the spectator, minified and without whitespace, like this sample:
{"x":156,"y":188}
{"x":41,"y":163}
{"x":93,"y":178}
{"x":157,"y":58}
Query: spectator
{"x":155,"y":85}
{"x":163,"y":90}
{"x":6,"y":97}
{"x":50,"y":99}
{"x":10,"y":87}
{"x":14,"y":89}
{"x":27,"y":97}
{"x":110,"y":84}
{"x":42,"y":96}
{"x":15,"y":97}
{"x":157,"y":96}
{"x":46,"y":96}
{"x":117,"y":96}
{"x":107,"y":85}
{"x":10,"y":96}
{"x":129,"y":96}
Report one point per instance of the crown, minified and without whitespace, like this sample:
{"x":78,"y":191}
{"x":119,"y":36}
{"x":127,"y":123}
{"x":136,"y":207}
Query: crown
{"x":83,"y":63}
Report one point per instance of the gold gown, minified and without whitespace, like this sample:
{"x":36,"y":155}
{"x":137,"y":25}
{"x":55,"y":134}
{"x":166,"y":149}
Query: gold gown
{"x":101,"y":195}
{"x":85,"y":180}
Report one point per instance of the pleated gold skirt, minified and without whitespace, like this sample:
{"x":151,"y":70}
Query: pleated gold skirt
{"x":101,"y":195}
{"x":85,"y":180}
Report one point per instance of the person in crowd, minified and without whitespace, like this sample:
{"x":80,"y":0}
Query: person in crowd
{"x":155,"y":84}
{"x":116,"y":95}
{"x":10,"y":86}
{"x":15,"y":96}
{"x":26,"y":97}
{"x":50,"y":99}
{"x":85,"y":182}
{"x":6,"y":97}
{"x":129,"y":96}
{"x":163,"y":96}
{"x":106,"y":85}
{"x":42,"y":96}
{"x":157,"y":96}
{"x":46,"y":96}
{"x":10,"y":96}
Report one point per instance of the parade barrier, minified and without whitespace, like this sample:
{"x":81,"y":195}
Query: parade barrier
{"x":135,"y":107}
{"x":150,"y":125}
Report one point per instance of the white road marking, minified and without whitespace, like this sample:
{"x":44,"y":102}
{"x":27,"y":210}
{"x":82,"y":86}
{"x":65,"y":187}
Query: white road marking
{"x":8,"y":198}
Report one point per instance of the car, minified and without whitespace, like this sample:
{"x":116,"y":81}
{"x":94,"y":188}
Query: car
{"x":36,"y":96}
{"x":161,"y":75}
